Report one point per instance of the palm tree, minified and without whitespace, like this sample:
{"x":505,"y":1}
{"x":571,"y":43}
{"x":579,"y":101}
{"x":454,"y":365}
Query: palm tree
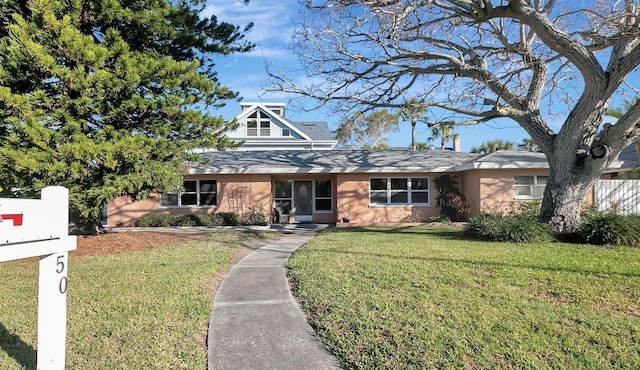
{"x":445,"y":132}
{"x":413,"y":110}
{"x":493,"y":146}
{"x":528,"y":145}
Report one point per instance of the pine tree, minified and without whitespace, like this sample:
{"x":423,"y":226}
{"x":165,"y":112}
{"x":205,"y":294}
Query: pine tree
{"x":88,"y":103}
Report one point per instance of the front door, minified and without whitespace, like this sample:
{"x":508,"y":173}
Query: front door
{"x":303,"y":200}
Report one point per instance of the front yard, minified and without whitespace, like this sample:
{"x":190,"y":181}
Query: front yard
{"x":412,"y":297}
{"x":135,"y":300}
{"x":421,"y":297}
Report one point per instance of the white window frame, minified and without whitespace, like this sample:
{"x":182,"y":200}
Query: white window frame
{"x":534,"y":187}
{"x":262,"y":123}
{"x":197,"y":192}
{"x":390,"y":192}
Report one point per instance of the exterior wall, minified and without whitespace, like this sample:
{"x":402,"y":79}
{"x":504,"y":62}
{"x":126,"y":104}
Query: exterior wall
{"x":123,"y":210}
{"x":470,"y":187}
{"x":236,"y":193}
{"x":494,"y":190}
{"x":353,"y":189}
{"x":256,"y":190}
{"x":497,"y":188}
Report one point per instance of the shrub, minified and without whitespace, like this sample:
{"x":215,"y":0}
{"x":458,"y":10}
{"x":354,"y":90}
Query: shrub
{"x":257,"y":216}
{"x":513,"y":229}
{"x":440,"y":218}
{"x":451,"y":201}
{"x":608,"y":228}
{"x":216,"y":219}
{"x":230,"y":218}
{"x":193,"y":219}
{"x":154,"y":219}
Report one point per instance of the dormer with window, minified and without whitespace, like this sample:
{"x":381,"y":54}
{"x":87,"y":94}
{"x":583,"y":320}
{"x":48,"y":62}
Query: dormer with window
{"x":262,"y":126}
{"x":258,"y":124}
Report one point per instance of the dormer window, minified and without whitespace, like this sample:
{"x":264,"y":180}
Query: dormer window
{"x":258,"y":124}
{"x":286,"y":132}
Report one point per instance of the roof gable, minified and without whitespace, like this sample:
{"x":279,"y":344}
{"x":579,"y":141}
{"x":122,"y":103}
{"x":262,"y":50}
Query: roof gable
{"x":255,"y":106}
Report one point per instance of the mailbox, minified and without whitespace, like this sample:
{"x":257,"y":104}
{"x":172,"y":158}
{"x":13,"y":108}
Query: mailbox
{"x":35,"y":227}
{"x":40,"y":228}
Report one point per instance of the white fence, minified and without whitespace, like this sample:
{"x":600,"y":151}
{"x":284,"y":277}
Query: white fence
{"x":619,"y":196}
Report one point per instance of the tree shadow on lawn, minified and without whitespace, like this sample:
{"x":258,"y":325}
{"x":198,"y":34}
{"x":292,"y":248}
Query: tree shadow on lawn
{"x":18,"y":349}
{"x":483,"y":263}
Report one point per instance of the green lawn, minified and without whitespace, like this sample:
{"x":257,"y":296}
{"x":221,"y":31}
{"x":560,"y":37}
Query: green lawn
{"x":423,"y":297}
{"x":134,"y":310}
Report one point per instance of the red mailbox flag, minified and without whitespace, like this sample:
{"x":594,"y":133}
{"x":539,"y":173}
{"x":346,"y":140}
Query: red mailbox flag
{"x":15,"y":217}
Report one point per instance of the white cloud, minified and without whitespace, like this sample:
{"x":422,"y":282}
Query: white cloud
{"x":269,"y":53}
{"x":272,"y":20}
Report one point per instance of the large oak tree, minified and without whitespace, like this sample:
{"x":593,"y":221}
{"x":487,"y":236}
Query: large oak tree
{"x":108,"y":97}
{"x":554,"y":67}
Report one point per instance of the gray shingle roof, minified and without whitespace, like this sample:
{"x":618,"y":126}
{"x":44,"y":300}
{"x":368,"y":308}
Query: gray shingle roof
{"x":629,"y":157}
{"x":627,"y":160}
{"x":509,"y":159}
{"x":315,"y":130}
{"x":334,"y":161}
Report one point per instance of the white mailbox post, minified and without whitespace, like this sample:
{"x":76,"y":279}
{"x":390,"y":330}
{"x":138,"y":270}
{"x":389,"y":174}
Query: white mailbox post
{"x":39,"y":227}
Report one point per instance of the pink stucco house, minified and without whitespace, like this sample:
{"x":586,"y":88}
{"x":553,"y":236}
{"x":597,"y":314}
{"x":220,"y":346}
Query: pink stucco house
{"x":308,"y":181}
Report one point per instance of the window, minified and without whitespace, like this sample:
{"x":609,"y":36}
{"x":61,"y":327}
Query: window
{"x":286,"y":132}
{"x":527,"y":187}
{"x":401,"y":190}
{"x":282,"y":196}
{"x":197,"y":193}
{"x":420,"y":190}
{"x":252,"y":127}
{"x":323,"y":195}
{"x":265,"y":127}
{"x":258,"y":120}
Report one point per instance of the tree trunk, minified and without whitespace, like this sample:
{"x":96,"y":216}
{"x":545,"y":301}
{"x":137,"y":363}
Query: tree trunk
{"x":565,"y":192}
{"x":561,"y":206}
{"x":413,"y":135}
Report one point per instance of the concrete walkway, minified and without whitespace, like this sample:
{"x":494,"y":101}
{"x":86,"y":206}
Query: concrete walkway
{"x":256,"y":322}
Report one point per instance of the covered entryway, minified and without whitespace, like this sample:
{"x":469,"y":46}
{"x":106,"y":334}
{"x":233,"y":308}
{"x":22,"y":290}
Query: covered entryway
{"x":307,"y":200}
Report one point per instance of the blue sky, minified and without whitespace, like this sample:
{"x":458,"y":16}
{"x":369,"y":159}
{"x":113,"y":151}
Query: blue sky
{"x":273,"y":27}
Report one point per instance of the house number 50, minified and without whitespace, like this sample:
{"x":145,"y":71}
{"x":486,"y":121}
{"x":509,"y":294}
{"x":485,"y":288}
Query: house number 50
{"x":61,"y":267}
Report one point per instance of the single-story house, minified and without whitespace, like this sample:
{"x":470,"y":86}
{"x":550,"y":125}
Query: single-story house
{"x":324,"y":186}
{"x":293,"y":172}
